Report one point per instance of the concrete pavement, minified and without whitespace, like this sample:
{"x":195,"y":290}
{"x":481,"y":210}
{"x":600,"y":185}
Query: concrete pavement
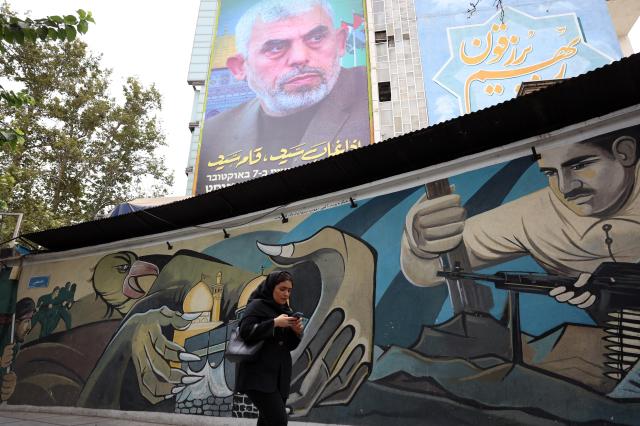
{"x":22,"y":415}
{"x":15,"y":418}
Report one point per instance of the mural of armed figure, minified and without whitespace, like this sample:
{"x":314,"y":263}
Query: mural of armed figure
{"x":161,"y":347}
{"x":588,"y":215}
{"x":53,"y":307}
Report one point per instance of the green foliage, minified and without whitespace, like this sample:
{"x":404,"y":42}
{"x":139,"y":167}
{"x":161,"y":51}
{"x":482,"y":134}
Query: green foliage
{"x":82,"y":149}
{"x":14,"y":30}
{"x":13,"y":137}
{"x":16,"y":99}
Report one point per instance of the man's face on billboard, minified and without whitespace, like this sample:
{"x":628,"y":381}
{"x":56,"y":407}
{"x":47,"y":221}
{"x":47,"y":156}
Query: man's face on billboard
{"x":589,"y":179}
{"x":292,"y":63}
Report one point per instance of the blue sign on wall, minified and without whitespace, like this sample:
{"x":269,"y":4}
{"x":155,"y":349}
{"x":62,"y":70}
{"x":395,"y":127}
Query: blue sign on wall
{"x":39,"y":282}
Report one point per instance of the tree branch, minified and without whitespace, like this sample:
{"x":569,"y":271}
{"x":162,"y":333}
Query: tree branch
{"x":473,"y":8}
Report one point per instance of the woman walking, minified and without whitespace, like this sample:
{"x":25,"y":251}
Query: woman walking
{"x":268,"y":317}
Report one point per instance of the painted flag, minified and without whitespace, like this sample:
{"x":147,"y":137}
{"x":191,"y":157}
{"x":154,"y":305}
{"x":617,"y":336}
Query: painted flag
{"x":357,"y":20}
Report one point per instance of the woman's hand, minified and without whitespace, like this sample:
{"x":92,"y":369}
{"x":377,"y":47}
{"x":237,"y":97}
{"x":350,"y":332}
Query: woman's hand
{"x":297,"y":326}
{"x":284,"y":321}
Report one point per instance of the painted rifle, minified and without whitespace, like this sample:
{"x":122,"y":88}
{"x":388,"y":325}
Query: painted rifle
{"x":617,"y":288}
{"x":618,"y":282}
{"x":466,"y":295}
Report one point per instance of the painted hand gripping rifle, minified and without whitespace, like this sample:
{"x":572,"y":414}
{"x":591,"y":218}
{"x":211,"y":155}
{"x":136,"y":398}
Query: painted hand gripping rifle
{"x":617,"y":288}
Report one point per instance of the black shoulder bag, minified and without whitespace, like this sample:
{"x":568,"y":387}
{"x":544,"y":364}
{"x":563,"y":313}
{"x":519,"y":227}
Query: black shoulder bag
{"x":238,"y":350}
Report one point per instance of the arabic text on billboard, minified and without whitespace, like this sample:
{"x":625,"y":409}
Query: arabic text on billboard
{"x":474,"y":62}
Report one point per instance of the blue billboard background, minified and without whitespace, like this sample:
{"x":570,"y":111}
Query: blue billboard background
{"x":470,"y":63}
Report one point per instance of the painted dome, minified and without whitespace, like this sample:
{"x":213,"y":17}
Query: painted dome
{"x":199,"y":299}
{"x":248,"y":289}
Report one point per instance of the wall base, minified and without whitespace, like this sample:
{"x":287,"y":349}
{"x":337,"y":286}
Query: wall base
{"x":144,"y":416}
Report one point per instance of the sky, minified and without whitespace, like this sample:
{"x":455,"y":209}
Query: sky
{"x":151,"y":40}
{"x":634,"y":36}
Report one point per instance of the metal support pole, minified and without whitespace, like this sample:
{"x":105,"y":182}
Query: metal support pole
{"x":16,"y":229}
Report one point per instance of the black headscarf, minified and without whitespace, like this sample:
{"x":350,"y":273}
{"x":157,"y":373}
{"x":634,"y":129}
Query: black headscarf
{"x":261,"y":302}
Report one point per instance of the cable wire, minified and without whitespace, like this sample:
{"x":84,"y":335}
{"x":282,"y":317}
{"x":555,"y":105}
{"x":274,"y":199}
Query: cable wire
{"x":218,"y":228}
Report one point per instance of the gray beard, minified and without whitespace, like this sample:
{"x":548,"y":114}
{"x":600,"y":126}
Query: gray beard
{"x":279,"y":102}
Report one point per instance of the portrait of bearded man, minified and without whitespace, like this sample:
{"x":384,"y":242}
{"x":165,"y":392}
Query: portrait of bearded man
{"x":289,"y":53}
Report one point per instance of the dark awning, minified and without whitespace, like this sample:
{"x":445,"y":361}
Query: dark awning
{"x":594,"y":94}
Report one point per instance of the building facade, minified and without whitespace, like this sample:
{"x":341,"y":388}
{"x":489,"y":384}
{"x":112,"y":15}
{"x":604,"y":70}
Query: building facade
{"x":482,"y":270}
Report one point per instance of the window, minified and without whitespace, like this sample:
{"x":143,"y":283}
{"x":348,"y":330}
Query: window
{"x":384,"y":91}
{"x":381,"y":51}
{"x":391,"y":40}
{"x":405,"y":36}
{"x":381,"y":36}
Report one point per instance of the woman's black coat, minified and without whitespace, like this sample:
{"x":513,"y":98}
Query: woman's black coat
{"x":271,"y":370}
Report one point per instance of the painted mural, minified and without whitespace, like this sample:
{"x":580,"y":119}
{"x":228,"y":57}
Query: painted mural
{"x":507,"y":294}
{"x":473,"y":62}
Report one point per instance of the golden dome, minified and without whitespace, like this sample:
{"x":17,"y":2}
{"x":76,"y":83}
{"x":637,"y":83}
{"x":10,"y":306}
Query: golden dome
{"x":248,"y":289}
{"x":223,"y":47}
{"x":199,"y":299}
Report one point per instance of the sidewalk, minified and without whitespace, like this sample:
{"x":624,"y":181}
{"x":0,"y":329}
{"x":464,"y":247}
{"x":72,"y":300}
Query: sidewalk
{"x":16,"y":418}
{"x":23,"y":415}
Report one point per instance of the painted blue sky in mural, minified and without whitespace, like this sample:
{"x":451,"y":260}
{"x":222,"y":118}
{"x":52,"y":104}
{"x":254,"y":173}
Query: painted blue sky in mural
{"x":473,"y":63}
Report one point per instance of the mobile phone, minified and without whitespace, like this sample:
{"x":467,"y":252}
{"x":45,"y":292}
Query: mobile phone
{"x":298,"y":315}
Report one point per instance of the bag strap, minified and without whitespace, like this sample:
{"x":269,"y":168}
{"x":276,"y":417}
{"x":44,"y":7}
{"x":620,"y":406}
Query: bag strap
{"x":253,"y":329}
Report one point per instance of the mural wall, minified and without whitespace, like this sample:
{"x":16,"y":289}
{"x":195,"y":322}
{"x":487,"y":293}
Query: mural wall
{"x":472,"y":62}
{"x":507,"y":294}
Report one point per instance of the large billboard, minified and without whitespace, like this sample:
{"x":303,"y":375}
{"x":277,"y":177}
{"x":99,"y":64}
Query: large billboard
{"x":288,"y":85}
{"x":472,"y":62}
